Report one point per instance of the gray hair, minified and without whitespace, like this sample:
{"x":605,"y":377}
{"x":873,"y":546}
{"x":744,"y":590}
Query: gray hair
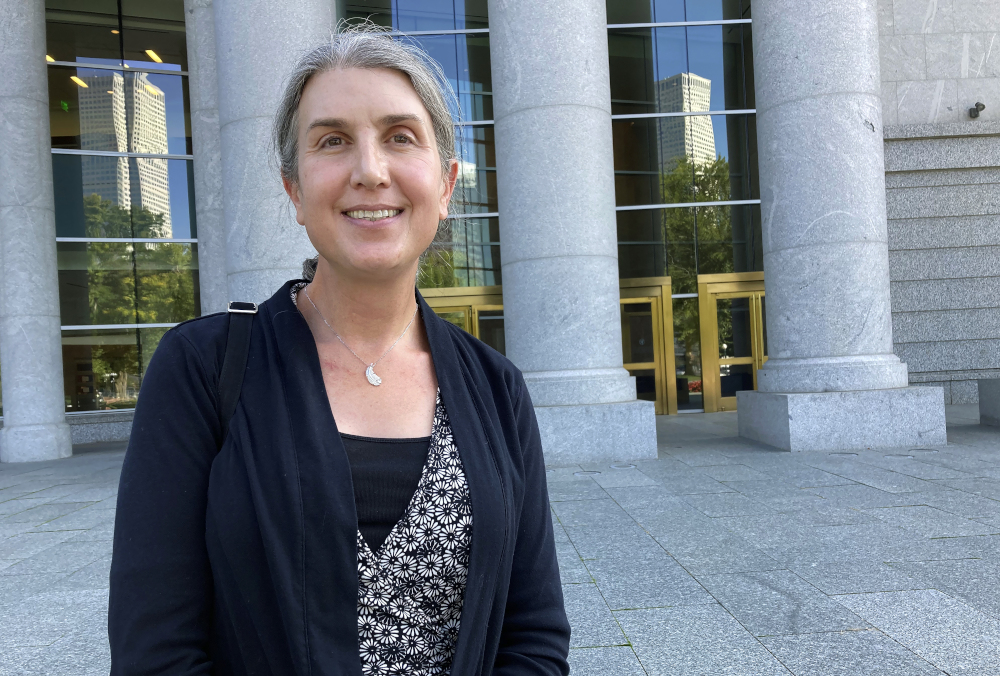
{"x":366,"y":46}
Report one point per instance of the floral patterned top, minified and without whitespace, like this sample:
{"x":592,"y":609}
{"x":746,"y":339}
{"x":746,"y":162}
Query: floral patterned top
{"x":410,"y":592}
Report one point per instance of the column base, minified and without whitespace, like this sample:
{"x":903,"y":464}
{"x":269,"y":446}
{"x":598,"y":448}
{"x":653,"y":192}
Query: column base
{"x":34,"y":443}
{"x":595,"y":432}
{"x":989,"y":401}
{"x":834,"y":421}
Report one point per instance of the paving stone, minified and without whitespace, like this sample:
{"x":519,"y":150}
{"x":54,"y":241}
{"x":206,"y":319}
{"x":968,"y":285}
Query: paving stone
{"x":725,"y":504}
{"x":28,"y":544}
{"x":944,"y":631}
{"x":46,"y":512}
{"x":735,"y":473}
{"x":849,"y":653}
{"x":576,"y":490}
{"x":571,"y":568}
{"x":876,"y":477}
{"x":973,"y":581}
{"x":860,"y":496}
{"x":590,"y":618}
{"x":988,"y":488}
{"x":616,"y":661}
{"x":44,"y":618}
{"x":857,"y":577}
{"x":963,"y":504}
{"x":683,"y":483}
{"x":611,"y":478}
{"x":63,"y":557}
{"x":718,"y":553}
{"x":645,"y":579}
{"x":778,"y":602}
{"x":695,"y":641}
{"x":914,"y":466}
{"x":930,"y":522}
{"x":10,"y":508}
{"x":81,"y":519}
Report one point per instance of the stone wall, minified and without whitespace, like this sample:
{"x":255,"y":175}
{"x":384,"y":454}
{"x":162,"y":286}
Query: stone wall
{"x":938,"y":59}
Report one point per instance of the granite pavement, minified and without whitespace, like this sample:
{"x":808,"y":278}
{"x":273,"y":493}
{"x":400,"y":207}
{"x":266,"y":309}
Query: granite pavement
{"x":720,"y":557}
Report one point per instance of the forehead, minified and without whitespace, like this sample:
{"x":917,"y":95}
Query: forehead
{"x":353,"y":93}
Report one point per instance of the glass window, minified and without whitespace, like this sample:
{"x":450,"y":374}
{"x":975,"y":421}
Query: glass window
{"x":694,"y":158}
{"x":465,"y":252}
{"x":687,"y":354}
{"x":99,"y":196}
{"x":420,"y":15}
{"x":476,"y":191}
{"x":118,"y":111}
{"x":83,"y":30}
{"x":465,"y":60}
{"x":685,"y":242}
{"x":153,"y":34}
{"x":679,"y":69}
{"x":491,"y":330}
{"x":102,"y":369}
{"x":127,"y":283}
{"x":664,"y":11}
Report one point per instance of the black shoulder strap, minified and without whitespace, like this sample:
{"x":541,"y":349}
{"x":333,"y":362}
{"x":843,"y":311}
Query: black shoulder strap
{"x":234,"y":365}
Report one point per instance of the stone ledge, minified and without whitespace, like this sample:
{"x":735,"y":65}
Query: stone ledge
{"x":834,"y":421}
{"x":98,"y":426}
{"x":592,"y":432}
{"x":904,"y":132}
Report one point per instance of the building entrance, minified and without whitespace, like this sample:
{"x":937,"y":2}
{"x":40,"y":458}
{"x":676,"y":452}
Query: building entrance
{"x":647,"y":329}
{"x":733,"y":335}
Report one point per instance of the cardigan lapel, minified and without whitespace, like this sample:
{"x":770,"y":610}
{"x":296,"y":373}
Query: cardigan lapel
{"x":478,"y":447}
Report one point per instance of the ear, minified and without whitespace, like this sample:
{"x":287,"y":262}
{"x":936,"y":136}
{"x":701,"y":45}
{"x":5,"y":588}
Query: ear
{"x":449,"y":179}
{"x":294,"y":194}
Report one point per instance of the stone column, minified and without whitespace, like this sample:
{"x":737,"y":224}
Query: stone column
{"x":832,"y":381}
{"x":34,"y":405}
{"x":257,"y":43}
{"x":559,"y":248}
{"x":203,"y":86}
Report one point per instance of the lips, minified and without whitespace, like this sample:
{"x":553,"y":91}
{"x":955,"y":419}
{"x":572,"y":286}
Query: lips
{"x":373,"y":216}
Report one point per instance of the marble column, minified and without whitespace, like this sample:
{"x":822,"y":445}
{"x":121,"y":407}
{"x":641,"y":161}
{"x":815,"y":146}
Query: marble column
{"x":558,"y":239}
{"x":257,"y":44}
{"x":34,"y":405}
{"x":832,"y":380}
{"x":203,"y":86}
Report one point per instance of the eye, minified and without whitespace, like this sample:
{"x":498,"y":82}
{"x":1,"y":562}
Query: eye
{"x":400,"y":138}
{"x":333,"y":141}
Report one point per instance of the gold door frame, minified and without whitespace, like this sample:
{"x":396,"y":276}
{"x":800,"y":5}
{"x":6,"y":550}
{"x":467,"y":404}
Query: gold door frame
{"x":711,"y":288}
{"x":655,"y":290}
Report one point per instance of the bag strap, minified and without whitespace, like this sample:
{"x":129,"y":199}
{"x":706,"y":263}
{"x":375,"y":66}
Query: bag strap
{"x":234,"y":364}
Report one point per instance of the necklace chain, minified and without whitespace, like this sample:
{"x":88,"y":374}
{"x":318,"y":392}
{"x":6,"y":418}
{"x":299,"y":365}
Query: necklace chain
{"x":372,"y":365}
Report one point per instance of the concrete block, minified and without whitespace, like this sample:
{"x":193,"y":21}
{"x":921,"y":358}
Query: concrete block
{"x":977,"y":261}
{"x":989,"y":402}
{"x":954,"y":355}
{"x":902,"y":57}
{"x":944,"y":325}
{"x":927,"y":101}
{"x":970,"y":146}
{"x":587,"y":433}
{"x":830,"y":421}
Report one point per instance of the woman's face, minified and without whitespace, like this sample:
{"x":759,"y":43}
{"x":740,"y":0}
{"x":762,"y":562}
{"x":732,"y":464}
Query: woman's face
{"x":371,"y":190}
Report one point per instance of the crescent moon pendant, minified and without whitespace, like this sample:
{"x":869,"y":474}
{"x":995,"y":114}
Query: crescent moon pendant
{"x":373,"y":378}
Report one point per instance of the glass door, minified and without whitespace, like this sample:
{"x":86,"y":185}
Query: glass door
{"x":641,"y":345}
{"x":734,"y":337}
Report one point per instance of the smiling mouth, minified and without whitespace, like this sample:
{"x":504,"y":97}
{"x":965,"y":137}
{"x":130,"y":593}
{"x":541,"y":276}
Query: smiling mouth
{"x":373,"y":215}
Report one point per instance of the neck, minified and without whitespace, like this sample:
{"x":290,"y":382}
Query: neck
{"x":368,"y":313}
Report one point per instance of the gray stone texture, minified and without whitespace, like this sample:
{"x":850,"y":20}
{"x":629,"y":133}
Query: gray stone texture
{"x":989,"y":401}
{"x":825,"y":239}
{"x":30,"y":338}
{"x":257,"y":44}
{"x":558,"y":237}
{"x":203,"y":88}
{"x":828,"y":421}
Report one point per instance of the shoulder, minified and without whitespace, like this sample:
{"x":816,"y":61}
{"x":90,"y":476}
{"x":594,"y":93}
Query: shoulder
{"x":203,"y":338}
{"x":479,"y":356}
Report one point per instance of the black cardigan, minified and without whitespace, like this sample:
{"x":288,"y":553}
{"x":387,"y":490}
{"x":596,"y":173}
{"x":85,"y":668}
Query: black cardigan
{"x":242,"y":560}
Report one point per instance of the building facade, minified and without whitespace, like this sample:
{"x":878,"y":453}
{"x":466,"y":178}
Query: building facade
{"x":664,"y":207}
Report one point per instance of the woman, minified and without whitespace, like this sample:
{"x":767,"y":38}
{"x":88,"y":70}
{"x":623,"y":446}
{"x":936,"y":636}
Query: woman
{"x":378,"y":504}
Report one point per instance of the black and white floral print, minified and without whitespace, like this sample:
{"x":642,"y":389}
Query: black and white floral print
{"x":410,"y":592}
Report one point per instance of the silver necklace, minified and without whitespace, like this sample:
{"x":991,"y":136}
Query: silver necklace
{"x":370,"y":374}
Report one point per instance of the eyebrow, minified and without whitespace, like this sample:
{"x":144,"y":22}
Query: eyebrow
{"x":386,"y":121}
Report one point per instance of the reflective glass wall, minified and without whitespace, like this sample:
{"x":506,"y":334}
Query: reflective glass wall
{"x":686,"y":184}
{"x":455,"y":33}
{"x":121,"y":162}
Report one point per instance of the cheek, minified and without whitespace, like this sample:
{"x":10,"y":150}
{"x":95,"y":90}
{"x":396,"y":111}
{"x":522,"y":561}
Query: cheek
{"x":322,"y":183}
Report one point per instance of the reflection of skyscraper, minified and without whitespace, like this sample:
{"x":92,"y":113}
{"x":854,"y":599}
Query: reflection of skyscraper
{"x":690,"y":136}
{"x":126,"y":114}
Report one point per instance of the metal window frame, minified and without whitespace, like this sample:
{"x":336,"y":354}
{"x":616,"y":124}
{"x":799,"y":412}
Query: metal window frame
{"x":126,"y":240}
{"x":119,"y":68}
{"x":680,"y":24}
{"x":110,"y":327}
{"x":693,"y":113}
{"x":114,"y":153}
{"x":456,"y":31}
{"x":679,"y":205}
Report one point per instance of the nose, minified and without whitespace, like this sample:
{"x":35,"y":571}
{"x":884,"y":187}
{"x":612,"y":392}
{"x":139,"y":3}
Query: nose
{"x":371,"y":169}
